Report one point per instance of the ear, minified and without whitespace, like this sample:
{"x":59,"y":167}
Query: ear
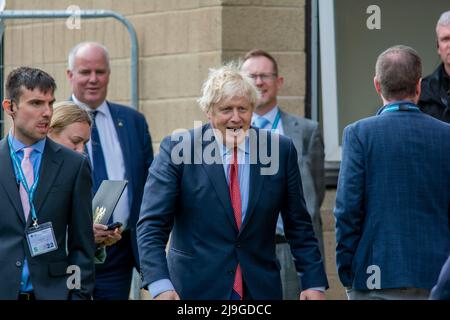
{"x":377,"y":85}
{"x":419,"y":87}
{"x":280,"y":82}
{"x":69,"y":74}
{"x":7,"y":107}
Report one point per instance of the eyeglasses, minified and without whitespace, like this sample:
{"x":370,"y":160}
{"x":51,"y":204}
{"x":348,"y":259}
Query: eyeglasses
{"x":265,"y":77}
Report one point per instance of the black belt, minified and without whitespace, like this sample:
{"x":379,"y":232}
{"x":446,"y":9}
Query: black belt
{"x":280,"y":239}
{"x":26,"y":296}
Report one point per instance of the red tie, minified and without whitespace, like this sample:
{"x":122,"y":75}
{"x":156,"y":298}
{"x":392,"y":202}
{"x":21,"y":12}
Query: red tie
{"x":236,"y":203}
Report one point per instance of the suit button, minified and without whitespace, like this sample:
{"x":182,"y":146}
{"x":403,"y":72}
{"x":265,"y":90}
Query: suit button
{"x":18,"y":264}
{"x":238,"y":245}
{"x":230,"y":272}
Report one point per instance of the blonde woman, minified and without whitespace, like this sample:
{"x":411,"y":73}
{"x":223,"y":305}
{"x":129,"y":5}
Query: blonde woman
{"x":71,"y":127}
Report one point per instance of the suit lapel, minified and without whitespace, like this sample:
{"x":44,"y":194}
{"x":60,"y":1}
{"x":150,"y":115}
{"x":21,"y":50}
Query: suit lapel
{"x":215,"y":173}
{"x":8,"y":180}
{"x":256,"y":178}
{"x":292,"y":129}
{"x":50,"y":166}
{"x":120,"y":125}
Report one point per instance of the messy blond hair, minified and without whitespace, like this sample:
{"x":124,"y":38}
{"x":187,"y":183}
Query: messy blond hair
{"x":224,"y":83}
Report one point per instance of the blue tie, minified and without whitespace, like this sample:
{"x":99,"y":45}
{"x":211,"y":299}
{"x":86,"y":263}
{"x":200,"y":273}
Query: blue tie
{"x":99,"y":172}
{"x":261,"y":122}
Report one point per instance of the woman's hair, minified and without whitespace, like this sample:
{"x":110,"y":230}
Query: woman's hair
{"x":65,"y":113}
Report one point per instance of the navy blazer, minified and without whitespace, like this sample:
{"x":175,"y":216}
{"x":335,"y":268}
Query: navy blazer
{"x":136,"y":144}
{"x":393,"y":198}
{"x":192,"y":201}
{"x":63,"y":198}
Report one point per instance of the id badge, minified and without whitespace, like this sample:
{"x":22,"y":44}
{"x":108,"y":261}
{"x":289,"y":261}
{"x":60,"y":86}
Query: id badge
{"x":41,"y":239}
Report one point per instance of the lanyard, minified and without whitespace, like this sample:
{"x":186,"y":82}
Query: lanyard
{"x":22,"y":179}
{"x":401,"y":106}
{"x":275,"y":122}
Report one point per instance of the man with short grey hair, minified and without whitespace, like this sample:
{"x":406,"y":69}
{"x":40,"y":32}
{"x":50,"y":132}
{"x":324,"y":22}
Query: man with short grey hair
{"x":393,"y":195}
{"x":120,"y":149}
{"x":435,"y":97}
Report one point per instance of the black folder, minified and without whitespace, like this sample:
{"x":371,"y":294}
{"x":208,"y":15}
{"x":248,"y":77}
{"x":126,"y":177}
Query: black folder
{"x":106,"y":199}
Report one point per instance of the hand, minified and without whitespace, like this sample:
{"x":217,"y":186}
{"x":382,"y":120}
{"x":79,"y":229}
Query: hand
{"x":312,"y":295}
{"x":167,"y":295}
{"x":106,"y":237}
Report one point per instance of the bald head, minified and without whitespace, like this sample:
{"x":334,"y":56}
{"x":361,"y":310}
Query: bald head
{"x":82,"y":46}
{"x":88,"y":73}
{"x":398,"y":72}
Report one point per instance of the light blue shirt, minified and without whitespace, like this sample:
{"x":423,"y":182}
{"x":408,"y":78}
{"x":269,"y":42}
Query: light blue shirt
{"x":270,"y":116}
{"x":112,"y":151}
{"x":160,"y":286}
{"x":35,"y":158}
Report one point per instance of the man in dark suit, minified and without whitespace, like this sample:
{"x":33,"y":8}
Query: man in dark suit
{"x":120,"y":149}
{"x":43,"y":184}
{"x":393,"y":196}
{"x":305,"y":134}
{"x":219,"y":191}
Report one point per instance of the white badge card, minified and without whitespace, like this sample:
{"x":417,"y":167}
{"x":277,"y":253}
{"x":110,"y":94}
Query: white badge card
{"x":41,"y":239}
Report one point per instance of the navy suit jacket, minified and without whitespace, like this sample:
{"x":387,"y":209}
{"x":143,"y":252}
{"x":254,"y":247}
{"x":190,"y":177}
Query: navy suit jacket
{"x":136,"y":144}
{"x":393,"y":198}
{"x":192,"y":200}
{"x":63,"y":198}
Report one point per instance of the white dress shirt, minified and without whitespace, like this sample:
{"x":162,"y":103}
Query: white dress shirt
{"x":115,"y":164}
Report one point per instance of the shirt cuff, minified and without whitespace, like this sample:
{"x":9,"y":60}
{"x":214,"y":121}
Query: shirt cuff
{"x":321,"y":289}
{"x":160,"y":286}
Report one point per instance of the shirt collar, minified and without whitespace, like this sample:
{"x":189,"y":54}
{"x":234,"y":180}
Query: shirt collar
{"x":242,"y":147}
{"x":17,"y":145}
{"x":102,"y":108}
{"x":271,"y":115}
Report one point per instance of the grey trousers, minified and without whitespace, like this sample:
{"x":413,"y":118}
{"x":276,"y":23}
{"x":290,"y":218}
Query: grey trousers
{"x":288,"y":273}
{"x":388,"y":294}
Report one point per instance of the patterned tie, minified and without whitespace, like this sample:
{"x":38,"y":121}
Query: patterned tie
{"x":27,"y":168}
{"x":261,"y":122}
{"x":99,"y":172}
{"x":236,"y":203}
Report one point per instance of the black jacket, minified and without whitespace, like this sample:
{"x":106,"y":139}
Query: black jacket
{"x":435,"y":96}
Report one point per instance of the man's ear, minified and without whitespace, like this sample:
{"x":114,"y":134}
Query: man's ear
{"x":280,"y":82}
{"x":69,"y":74}
{"x":8,"y":107}
{"x":419,"y":87}
{"x":377,"y":85}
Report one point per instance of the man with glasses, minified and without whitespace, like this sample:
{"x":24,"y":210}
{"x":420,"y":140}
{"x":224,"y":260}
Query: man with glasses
{"x":305,"y":133}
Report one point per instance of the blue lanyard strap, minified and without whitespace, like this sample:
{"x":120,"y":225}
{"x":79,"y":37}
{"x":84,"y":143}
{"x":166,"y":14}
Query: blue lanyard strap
{"x":275,"y":122}
{"x":401,"y":106}
{"x":22,"y":179}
